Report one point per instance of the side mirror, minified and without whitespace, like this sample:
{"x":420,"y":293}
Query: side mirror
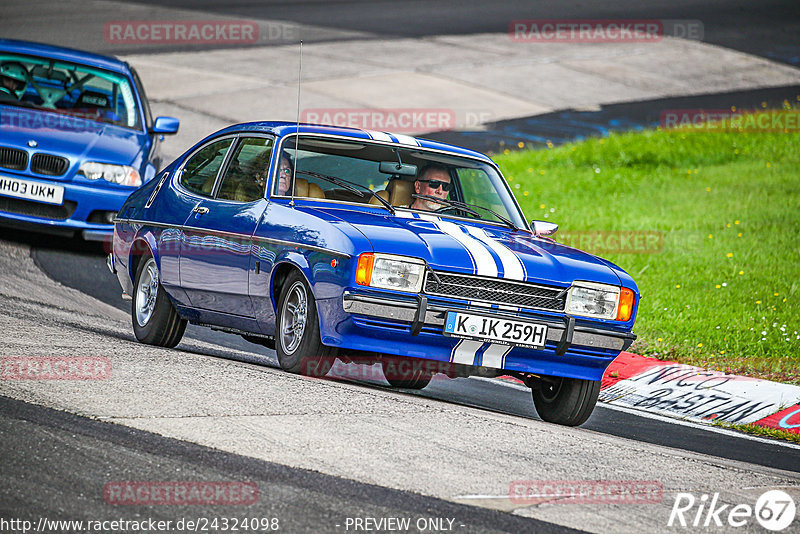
{"x":165,"y":125}
{"x":543,"y":228}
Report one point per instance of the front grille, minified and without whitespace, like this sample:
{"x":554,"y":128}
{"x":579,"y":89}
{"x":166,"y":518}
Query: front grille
{"x":38,"y":209}
{"x":49,"y":164}
{"x":12,"y":158}
{"x":496,"y":291}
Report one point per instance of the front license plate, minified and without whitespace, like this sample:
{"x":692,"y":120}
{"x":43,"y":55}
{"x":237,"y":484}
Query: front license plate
{"x":495,"y":330}
{"x":14,"y":187}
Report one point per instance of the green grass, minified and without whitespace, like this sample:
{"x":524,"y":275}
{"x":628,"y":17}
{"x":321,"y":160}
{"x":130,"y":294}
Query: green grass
{"x":762,"y":431}
{"x":724,"y":290}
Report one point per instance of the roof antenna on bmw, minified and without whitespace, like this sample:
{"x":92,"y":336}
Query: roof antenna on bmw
{"x":297,"y":129}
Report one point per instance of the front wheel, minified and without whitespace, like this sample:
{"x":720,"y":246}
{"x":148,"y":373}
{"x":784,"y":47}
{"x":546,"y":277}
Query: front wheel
{"x":566,"y":401}
{"x":297,"y":342}
{"x":154,"y":318}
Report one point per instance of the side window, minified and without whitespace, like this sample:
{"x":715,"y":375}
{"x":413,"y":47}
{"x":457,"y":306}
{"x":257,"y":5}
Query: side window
{"x":246,"y":176}
{"x":201,"y":170}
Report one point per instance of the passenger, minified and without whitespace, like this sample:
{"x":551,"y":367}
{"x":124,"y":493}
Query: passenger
{"x":434,"y":181}
{"x":13,"y":81}
{"x":285,"y":173}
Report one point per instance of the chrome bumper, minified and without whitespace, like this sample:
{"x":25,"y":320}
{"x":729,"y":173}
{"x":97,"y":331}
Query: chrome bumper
{"x":419,"y":313}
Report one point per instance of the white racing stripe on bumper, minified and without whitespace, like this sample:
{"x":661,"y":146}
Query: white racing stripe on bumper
{"x":495,"y":355}
{"x":465,"y":351}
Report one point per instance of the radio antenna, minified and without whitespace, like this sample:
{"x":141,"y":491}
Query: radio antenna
{"x":297,"y":129}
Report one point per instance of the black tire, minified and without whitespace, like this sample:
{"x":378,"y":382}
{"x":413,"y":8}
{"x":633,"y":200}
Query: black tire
{"x":566,"y":401}
{"x":301,"y":353}
{"x":404,"y":373}
{"x":162,"y":326}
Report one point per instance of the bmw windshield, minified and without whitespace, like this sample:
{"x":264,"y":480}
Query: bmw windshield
{"x":65,"y":88}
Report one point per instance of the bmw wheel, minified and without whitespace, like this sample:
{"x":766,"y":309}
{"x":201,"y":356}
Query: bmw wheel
{"x":297,"y":343}
{"x":154,"y":318}
{"x":566,"y":401}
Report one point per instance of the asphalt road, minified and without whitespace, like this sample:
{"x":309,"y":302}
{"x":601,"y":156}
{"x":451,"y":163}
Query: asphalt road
{"x":56,"y":466}
{"x":81,"y":265}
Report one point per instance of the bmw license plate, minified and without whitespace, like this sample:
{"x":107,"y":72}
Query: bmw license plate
{"x":43,"y":192}
{"x":495,"y":329}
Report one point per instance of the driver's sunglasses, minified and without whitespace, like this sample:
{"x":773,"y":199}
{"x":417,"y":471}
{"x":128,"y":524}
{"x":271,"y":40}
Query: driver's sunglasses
{"x":436,"y":184}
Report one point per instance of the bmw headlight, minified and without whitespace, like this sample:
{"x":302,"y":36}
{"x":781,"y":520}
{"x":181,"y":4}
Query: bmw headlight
{"x":116,"y":174}
{"x":388,"y":271}
{"x":593,"y":300}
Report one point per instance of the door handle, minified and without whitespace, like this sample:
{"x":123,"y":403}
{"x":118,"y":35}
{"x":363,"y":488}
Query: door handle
{"x":200,"y":210}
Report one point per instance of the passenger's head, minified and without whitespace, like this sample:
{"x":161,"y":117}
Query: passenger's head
{"x":13,"y":78}
{"x":285,"y":173}
{"x":433,"y":180}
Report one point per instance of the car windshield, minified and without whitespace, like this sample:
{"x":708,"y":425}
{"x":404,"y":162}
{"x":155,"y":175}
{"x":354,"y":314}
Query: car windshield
{"x":408,"y":178}
{"x":68,"y":88}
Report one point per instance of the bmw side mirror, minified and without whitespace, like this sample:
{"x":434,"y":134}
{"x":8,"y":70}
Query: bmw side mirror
{"x":543,"y":228}
{"x":165,"y":125}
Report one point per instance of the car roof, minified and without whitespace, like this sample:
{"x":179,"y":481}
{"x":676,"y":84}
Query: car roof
{"x":282,"y":128}
{"x":65,"y":54}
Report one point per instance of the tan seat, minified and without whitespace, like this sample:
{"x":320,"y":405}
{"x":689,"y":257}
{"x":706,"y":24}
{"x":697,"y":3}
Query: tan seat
{"x":305,"y":189}
{"x":398,"y":193}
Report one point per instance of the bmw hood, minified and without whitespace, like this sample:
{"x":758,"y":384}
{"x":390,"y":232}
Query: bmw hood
{"x":77,"y":139}
{"x":473,"y":248}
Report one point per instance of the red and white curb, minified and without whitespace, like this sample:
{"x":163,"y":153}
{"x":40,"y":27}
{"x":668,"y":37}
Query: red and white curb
{"x":694,"y":394}
{"x":691,"y":394}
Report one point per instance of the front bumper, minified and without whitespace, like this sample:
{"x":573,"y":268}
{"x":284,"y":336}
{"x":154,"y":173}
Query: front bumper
{"x":571,"y":349}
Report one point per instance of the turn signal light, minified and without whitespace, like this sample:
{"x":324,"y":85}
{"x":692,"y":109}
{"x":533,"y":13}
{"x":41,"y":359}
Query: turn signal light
{"x":625,"y":308}
{"x":364,"y":269}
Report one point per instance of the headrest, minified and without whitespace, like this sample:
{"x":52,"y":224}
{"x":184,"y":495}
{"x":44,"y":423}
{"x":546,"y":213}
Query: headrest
{"x":400,"y":192}
{"x":383,"y":194}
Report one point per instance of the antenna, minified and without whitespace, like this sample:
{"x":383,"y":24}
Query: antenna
{"x":297,"y":129}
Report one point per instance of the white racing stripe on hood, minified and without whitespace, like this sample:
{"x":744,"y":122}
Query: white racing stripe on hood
{"x":512,"y":265}
{"x":464,"y":352}
{"x":495,"y":355}
{"x":484,"y":262}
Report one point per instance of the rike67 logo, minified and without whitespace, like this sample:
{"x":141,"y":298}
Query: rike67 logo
{"x":774,"y":510}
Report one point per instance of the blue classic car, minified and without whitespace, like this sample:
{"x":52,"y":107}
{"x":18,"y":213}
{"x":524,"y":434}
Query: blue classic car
{"x":76,"y":138}
{"x":326,"y":242}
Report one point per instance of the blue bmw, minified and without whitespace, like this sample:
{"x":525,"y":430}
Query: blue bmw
{"x":326,"y":242}
{"x":76,"y":138}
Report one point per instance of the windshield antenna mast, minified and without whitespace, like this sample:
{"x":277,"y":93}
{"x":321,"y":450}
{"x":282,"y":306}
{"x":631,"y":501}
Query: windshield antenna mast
{"x":297,"y":129}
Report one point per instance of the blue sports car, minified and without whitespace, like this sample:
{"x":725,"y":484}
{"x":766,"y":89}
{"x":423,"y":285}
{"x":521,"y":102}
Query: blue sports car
{"x":76,"y":138}
{"x":327,"y":242}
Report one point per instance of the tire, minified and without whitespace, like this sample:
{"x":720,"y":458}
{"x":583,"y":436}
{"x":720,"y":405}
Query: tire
{"x":566,"y":401}
{"x":403,"y":373}
{"x":297,"y":338}
{"x":155,"y":321}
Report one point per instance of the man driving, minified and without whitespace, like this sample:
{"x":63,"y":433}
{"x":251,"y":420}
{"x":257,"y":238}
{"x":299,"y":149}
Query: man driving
{"x":434,"y":181}
{"x":13,"y":80}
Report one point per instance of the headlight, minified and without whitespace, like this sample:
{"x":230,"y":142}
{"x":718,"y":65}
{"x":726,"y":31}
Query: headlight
{"x":390,"y":272}
{"x":116,"y":174}
{"x":595,"y":300}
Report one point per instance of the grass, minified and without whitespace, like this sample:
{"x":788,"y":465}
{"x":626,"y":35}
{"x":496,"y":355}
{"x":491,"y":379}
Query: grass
{"x":723,"y":292}
{"x":762,"y":431}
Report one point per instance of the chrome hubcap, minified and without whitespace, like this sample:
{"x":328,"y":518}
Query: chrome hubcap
{"x":294,"y":317}
{"x":146,"y":293}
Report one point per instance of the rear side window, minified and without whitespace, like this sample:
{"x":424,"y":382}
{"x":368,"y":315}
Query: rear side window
{"x":200,"y":172}
{"x":246,"y":175}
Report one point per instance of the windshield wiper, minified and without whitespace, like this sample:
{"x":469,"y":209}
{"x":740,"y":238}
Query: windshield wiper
{"x":350,"y":186}
{"x":468,"y":208}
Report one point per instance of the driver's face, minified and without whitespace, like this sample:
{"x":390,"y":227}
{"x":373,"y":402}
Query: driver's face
{"x":284,"y":176}
{"x":432,"y":185}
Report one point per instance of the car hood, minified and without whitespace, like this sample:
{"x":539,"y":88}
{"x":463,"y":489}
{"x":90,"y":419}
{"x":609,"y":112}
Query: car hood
{"x":77,"y":139}
{"x":474,"y":248}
